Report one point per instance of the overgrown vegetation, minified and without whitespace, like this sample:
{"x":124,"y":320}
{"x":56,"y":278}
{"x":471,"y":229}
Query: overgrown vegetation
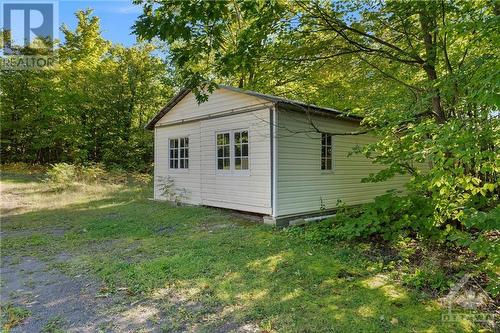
{"x":223,"y":268}
{"x":406,"y":224}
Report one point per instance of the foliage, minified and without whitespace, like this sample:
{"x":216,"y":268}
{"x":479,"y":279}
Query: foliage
{"x":91,"y":107}
{"x":62,"y":174}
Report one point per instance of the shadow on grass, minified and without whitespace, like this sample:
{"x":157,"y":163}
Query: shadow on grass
{"x":233,"y":271}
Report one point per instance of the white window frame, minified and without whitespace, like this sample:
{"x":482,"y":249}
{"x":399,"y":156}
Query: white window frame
{"x":232,"y":156}
{"x":332,"y":156}
{"x":222,"y":171}
{"x":179,"y":169}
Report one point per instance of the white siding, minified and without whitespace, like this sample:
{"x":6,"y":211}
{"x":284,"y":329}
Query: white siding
{"x":301,"y":184}
{"x":242,"y":191}
{"x":246,"y":191}
{"x":220,"y":100}
{"x":188,"y":179}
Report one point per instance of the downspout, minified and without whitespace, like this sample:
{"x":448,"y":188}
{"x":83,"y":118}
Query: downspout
{"x":274,"y":161}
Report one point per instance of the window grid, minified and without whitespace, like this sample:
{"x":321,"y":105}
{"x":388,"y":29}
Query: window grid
{"x":179,"y":153}
{"x":241,"y":150}
{"x":223,"y":151}
{"x":326,"y":152}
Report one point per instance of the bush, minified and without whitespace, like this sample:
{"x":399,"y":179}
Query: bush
{"x":396,"y":219}
{"x":389,"y":216}
{"x":62,"y":174}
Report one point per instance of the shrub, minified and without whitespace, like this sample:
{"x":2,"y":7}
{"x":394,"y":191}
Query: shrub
{"x":390,"y":216}
{"x":92,"y":173}
{"x":62,"y":174}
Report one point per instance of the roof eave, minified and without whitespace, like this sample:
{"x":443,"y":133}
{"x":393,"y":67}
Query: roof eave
{"x":176,"y":99}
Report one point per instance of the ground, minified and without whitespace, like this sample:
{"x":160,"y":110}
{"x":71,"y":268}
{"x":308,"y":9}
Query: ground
{"x":90,"y":258}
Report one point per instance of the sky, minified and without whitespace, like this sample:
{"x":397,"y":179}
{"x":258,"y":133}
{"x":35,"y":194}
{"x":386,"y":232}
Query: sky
{"x":117,"y":17}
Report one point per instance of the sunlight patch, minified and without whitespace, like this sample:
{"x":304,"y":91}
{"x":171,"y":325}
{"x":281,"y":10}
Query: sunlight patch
{"x":253,"y":295}
{"x":375,"y":282}
{"x":294,"y":294}
{"x":366,"y":311}
{"x":269,"y":264}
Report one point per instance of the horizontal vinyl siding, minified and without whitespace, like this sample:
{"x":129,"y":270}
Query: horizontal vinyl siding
{"x":220,"y":100}
{"x":249,"y":191}
{"x":301,"y":184}
{"x":188,"y":179}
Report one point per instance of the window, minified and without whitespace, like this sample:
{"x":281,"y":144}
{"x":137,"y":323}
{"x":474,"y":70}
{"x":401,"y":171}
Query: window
{"x":223,"y":151}
{"x":326,"y":151}
{"x":179,"y":153}
{"x":241,"y":150}
{"x":232,"y":151}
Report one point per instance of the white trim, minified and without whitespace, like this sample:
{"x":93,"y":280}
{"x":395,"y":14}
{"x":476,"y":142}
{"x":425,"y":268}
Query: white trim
{"x":179,"y":169}
{"x":332,"y":146}
{"x":232,"y":171}
{"x":274,"y":164}
{"x":246,"y":109}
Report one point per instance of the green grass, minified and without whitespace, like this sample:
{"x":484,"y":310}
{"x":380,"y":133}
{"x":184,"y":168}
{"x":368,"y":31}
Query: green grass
{"x":238,"y":270}
{"x":12,"y":316}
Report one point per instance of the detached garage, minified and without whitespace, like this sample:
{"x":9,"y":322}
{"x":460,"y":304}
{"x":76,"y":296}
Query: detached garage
{"x":263,"y":154}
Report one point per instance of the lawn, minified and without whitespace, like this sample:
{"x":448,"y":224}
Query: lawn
{"x":206,"y":270}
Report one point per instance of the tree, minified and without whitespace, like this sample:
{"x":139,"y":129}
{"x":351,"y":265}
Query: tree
{"x":90,"y":108}
{"x":423,"y":74}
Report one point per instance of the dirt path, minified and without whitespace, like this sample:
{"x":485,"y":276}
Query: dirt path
{"x":72,"y":304}
{"x":59,"y":303}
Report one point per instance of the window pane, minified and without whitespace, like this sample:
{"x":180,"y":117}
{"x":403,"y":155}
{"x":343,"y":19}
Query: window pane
{"x":329,"y":152}
{"x":237,"y":137}
{"x":223,"y":139}
{"x":226,"y":163}
{"x":237,"y":163}
{"x":329,"y":164}
{"x":181,"y":163}
{"x":182,"y":153}
{"x":244,"y":164}
{"x":186,"y":153}
{"x":226,"y":151}
{"x":244,"y":136}
{"x":220,"y":152}
{"x":244,"y":150}
{"x":176,"y":164}
{"x":237,"y":150}
{"x":329,"y":140}
{"x":186,"y":164}
{"x":171,"y":164}
{"x":220,"y":164}
{"x":323,"y":164}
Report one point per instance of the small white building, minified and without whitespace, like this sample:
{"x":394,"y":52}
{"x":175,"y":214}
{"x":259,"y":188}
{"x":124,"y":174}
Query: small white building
{"x":263,"y":154}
